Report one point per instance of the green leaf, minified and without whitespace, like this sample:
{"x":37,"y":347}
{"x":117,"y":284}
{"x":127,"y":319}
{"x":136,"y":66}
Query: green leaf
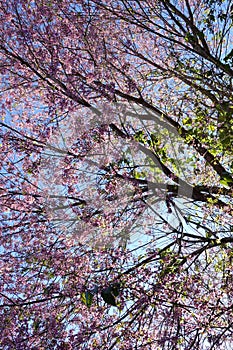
{"x":87,"y":298}
{"x":108,"y":296}
{"x":226,"y":180}
{"x":139,"y":136}
{"x":187,"y":121}
{"x":208,"y":234}
{"x":110,"y":293}
{"x":116,"y":289}
{"x":190,"y":38}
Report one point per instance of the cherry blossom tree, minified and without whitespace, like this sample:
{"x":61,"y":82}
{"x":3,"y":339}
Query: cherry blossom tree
{"x":116,"y":174}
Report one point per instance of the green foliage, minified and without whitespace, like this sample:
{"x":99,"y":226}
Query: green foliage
{"x":110,"y":293}
{"x":225,"y":131}
{"x":87,"y":298}
{"x":226,"y":180}
{"x":140,"y":136}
